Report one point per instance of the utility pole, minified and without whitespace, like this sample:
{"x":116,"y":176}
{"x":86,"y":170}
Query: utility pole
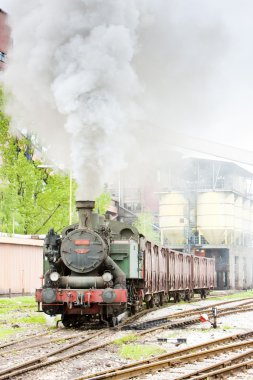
{"x":70,"y":197}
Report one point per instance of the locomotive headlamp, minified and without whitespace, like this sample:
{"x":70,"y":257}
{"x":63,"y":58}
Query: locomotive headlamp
{"x":107,"y":276}
{"x":54,"y":276}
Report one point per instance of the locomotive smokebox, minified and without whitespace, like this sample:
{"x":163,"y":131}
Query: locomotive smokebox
{"x":84,"y":209}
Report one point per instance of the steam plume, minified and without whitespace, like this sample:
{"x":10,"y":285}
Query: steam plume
{"x":106,"y":83}
{"x":77,"y":82}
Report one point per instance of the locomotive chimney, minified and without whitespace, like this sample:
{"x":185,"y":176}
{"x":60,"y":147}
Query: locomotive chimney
{"x":84,"y":209}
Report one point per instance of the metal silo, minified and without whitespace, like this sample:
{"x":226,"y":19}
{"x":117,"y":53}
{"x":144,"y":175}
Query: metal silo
{"x":215,"y":216}
{"x":173,"y":218}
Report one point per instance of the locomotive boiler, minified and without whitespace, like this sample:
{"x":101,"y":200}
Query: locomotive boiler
{"x":82,"y":281}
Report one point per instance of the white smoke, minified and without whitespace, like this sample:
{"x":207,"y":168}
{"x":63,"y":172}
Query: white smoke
{"x":71,"y":78}
{"x":107,"y":83}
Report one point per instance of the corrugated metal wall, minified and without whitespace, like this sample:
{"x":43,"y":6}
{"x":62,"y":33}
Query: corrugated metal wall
{"x":21,"y":265}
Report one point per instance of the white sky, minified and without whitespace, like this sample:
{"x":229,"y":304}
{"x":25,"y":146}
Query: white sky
{"x":4,"y":5}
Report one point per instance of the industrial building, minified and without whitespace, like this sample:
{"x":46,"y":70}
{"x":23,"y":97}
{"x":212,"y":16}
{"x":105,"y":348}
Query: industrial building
{"x":21,"y":264}
{"x":207,"y":209}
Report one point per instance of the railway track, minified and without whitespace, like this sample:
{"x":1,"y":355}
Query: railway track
{"x":43,"y":360}
{"x":55,"y":356}
{"x":174,"y":361}
{"x":187,"y":321}
{"x":39,"y":342}
{"x":21,"y":340}
{"x":156,"y":322}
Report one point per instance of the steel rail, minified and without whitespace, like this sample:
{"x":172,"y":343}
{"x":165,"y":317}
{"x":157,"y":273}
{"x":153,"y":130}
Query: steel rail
{"x":43,"y":342}
{"x":23,"y":339}
{"x":187,"y":313}
{"x":197,"y":310}
{"x":188,"y":321}
{"x":176,"y":314}
{"x":170,"y":360}
{"x":31,"y":364}
{"x":213,"y":370}
{"x":42,"y":360}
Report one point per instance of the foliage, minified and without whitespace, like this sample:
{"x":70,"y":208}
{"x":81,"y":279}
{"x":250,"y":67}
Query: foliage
{"x":102,"y":203}
{"x":144,"y":225}
{"x":138,"y":351}
{"x":32,"y":199}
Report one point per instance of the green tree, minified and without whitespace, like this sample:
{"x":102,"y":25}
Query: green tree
{"x":102,"y":203}
{"x":144,"y":225}
{"x":31,"y":199}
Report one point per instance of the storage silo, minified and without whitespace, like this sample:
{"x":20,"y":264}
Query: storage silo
{"x":238,"y":221}
{"x":173,"y":218}
{"x":246,"y":221}
{"x":215,"y":216}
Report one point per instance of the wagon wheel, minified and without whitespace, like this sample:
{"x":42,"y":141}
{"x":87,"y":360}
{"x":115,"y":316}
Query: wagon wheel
{"x":161,"y":301}
{"x":187,"y":296}
{"x":151,"y":303}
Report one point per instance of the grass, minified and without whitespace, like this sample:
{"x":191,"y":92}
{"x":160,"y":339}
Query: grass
{"x":125,"y":339}
{"x":138,"y":351}
{"x":225,"y":327}
{"x":4,"y":332}
{"x":4,"y":310}
{"x":40,"y":318}
{"x":18,"y":302}
{"x":241,"y":295}
{"x":18,"y":314}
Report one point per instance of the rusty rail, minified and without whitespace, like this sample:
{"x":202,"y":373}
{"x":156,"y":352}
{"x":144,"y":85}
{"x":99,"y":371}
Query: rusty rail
{"x":42,"y":361}
{"x":174,"y":358}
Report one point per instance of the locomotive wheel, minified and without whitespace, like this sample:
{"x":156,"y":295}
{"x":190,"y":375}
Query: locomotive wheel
{"x":70,"y":321}
{"x":113,"y":321}
{"x":67,"y":321}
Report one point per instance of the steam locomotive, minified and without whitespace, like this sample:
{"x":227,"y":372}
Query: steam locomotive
{"x":98,"y":269}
